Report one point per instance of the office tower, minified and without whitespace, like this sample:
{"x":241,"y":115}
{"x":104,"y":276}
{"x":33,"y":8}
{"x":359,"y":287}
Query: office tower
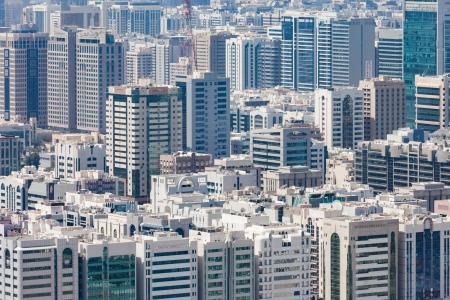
{"x":73,"y":157}
{"x":423,"y":246}
{"x":280,"y":147}
{"x":384,"y":106}
{"x":282,"y":255}
{"x":390,"y":53}
{"x":432,"y":94}
{"x":339,"y":115}
{"x":166,"y":267}
{"x":326,"y":51}
{"x":211,"y":51}
{"x":143,"y":122}
{"x":206,"y":113}
{"x":183,"y":68}
{"x":425,"y":44}
{"x":13,"y":11}
{"x":345,"y":51}
{"x":11,"y":147}
{"x":39,"y":267}
{"x":226,"y":266}
{"x":140,"y":63}
{"x":62,"y":79}
{"x":389,"y":164}
{"x":168,"y":51}
{"x":298,"y":47}
{"x":99,"y":65}
{"x":129,"y":17}
{"x":76,"y":16}
{"x":253,"y":62}
{"x":107,"y":269}
{"x":23,"y":75}
{"x":359,"y":258}
{"x":39,"y":15}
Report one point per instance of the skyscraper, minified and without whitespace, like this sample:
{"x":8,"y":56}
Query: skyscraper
{"x":143,"y":122}
{"x":340,"y":116}
{"x":206,"y":113}
{"x":425,"y":44}
{"x":390,"y":53}
{"x":253,"y":62}
{"x":62,"y":79}
{"x":23,"y":75}
{"x":210,"y":51}
{"x":99,"y":65}
{"x":384,"y":106}
{"x":135,"y":17}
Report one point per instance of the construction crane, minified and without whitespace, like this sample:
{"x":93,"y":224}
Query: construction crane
{"x":190,"y":45}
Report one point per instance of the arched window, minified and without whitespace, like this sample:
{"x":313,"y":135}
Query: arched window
{"x":102,"y":230}
{"x":132,"y":230}
{"x":7,"y":259}
{"x":115,"y":233}
{"x":335,"y":268}
{"x":67,"y":258}
{"x":180,"y":231}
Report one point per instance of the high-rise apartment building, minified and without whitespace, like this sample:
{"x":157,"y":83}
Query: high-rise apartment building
{"x":226,"y":264}
{"x":143,"y":122}
{"x":282,"y":261}
{"x":99,"y":65}
{"x":253,"y":62}
{"x":23,"y":75}
{"x":359,"y":257}
{"x":432,"y":94}
{"x":279,"y":146}
{"x":390,"y":52}
{"x":140,"y":64}
{"x":206,"y":113}
{"x":48,"y":267}
{"x":211,"y":51}
{"x":11,"y":147}
{"x":384,"y":106}
{"x":425,"y":44}
{"x":166,"y":267}
{"x":339,"y":115}
{"x":62,"y":80}
{"x":135,"y":17}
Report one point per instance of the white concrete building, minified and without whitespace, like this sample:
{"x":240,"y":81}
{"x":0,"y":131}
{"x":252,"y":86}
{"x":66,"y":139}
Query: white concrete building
{"x":359,"y":257}
{"x":265,"y":117}
{"x":140,"y":63}
{"x":225,"y":181}
{"x":282,"y":255}
{"x":339,"y":115}
{"x":166,"y":267}
{"x":75,"y":157}
{"x":226,"y":265}
{"x":39,"y":268}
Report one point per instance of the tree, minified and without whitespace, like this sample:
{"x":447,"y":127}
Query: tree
{"x":32,"y":159}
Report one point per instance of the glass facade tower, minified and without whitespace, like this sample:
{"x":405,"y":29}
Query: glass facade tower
{"x":425,"y":45}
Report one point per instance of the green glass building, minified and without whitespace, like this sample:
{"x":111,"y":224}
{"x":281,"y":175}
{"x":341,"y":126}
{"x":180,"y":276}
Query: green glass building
{"x":426,"y":45}
{"x":107,"y":271}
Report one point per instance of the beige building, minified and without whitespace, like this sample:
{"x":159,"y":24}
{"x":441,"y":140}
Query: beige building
{"x":142,"y":122}
{"x":210,"y":51}
{"x":184,"y":162}
{"x":359,"y":258}
{"x":384,"y":106}
{"x":432,"y":94}
{"x":299,"y":176}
